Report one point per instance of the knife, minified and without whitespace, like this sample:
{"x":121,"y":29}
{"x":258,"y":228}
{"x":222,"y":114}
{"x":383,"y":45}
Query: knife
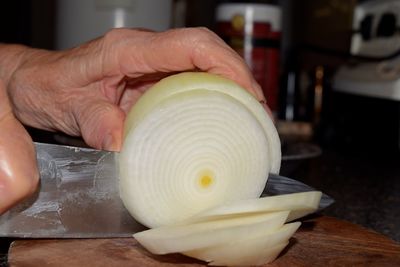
{"x":78,"y":197}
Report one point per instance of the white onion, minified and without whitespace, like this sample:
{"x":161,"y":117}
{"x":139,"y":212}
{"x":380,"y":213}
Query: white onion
{"x":248,"y":250}
{"x":205,"y":235}
{"x":192,"y":142}
{"x":299,"y":205}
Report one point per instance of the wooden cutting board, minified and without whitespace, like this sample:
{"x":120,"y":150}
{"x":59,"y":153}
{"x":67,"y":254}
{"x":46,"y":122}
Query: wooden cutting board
{"x":322,"y":241}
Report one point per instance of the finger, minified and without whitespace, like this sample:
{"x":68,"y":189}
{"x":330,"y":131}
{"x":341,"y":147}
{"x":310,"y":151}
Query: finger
{"x":135,"y":88}
{"x":101,"y":123}
{"x":18,"y":170}
{"x":185,"y":49}
{"x":135,"y":53}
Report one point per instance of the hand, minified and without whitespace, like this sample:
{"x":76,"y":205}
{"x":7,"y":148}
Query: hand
{"x":18,"y":171}
{"x":88,"y":90}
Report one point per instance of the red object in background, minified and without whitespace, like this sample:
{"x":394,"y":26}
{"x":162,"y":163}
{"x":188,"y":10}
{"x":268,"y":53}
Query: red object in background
{"x":253,"y":31}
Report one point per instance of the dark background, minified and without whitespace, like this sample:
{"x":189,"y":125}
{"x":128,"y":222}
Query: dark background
{"x":359,"y":136}
{"x":314,"y":33}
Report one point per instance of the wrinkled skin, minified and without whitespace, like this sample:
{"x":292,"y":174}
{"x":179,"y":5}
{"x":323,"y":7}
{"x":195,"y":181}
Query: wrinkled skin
{"x":87,"y":91}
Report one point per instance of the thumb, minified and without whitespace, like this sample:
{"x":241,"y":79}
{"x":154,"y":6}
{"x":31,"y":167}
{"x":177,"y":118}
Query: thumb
{"x":19,"y":175}
{"x":101,"y":124}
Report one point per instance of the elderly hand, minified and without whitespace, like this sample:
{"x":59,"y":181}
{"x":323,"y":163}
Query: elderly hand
{"x":87,"y":91}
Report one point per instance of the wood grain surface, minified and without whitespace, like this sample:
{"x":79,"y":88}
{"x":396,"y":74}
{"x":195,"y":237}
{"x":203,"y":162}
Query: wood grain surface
{"x":321,"y":241}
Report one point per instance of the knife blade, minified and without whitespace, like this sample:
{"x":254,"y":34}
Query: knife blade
{"x":78,"y":197}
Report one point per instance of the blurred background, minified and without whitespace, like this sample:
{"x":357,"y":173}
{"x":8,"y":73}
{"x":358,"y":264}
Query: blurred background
{"x":330,"y":70}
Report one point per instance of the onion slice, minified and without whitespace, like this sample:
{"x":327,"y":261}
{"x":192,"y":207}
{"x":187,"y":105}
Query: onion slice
{"x":248,"y":249}
{"x":181,"y":238}
{"x":192,"y":142}
{"x":299,"y":204}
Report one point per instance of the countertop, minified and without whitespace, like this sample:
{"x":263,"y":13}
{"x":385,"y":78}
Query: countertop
{"x":364,"y":184}
{"x":320,"y":241}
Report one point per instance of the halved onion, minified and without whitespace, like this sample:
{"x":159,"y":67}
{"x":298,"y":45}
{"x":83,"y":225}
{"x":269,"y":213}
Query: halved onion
{"x":192,"y":142}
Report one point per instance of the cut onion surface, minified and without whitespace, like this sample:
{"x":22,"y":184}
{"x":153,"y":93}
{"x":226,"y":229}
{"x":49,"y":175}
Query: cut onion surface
{"x":194,"y":141}
{"x":181,"y":238}
{"x":254,"y":249}
{"x":299,"y":205}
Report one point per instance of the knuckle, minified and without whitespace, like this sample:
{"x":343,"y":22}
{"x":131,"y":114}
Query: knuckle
{"x":115,"y":34}
{"x":204,"y":31}
{"x":202,"y":34}
{"x":199,"y":34}
{"x":122,"y":34}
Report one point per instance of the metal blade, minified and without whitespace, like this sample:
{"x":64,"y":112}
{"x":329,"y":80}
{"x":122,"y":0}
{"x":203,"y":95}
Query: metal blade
{"x":78,"y":197}
{"x":279,"y":185}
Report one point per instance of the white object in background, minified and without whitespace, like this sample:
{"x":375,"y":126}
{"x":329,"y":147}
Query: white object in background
{"x":376,"y":46}
{"x":80,"y":21}
{"x":377,"y":79}
{"x":373,"y":80}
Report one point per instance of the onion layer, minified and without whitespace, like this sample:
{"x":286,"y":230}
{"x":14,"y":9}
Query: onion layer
{"x":194,"y":141}
{"x":299,"y":205}
{"x":206,"y":235}
{"x":248,"y":250}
